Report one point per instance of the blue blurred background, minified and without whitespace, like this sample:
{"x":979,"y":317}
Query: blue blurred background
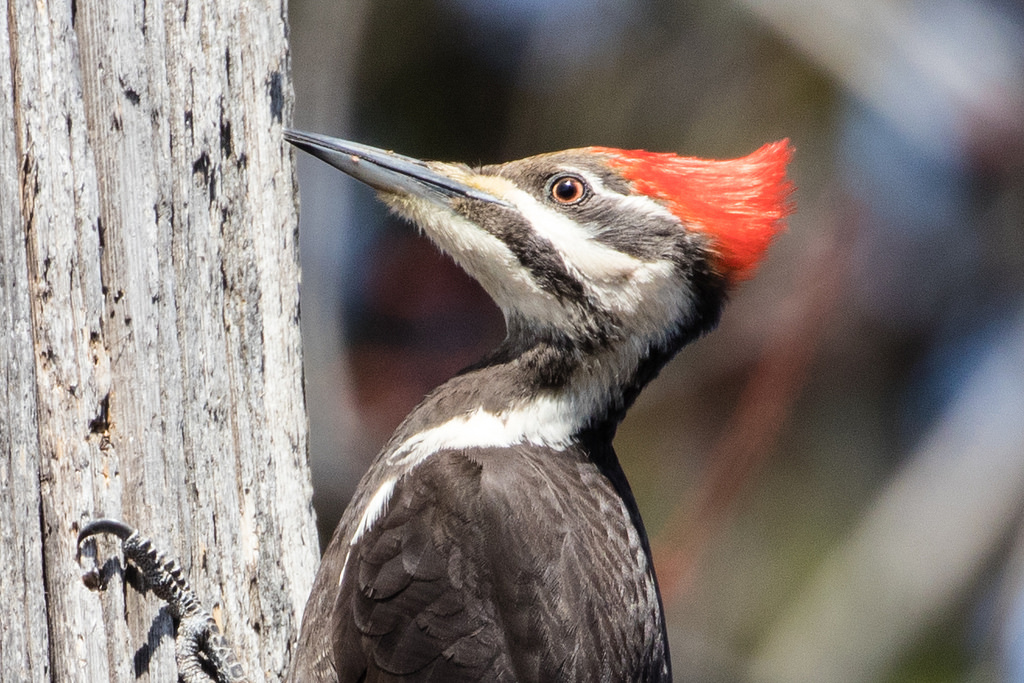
{"x":834,"y":479}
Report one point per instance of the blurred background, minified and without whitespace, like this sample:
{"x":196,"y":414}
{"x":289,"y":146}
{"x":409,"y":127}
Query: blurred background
{"x":833,"y":481}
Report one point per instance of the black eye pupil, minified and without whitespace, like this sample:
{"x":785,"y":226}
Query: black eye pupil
{"x":568,"y":190}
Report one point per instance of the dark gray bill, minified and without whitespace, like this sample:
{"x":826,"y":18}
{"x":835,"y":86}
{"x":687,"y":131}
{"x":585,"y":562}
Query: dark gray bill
{"x":385,"y":171}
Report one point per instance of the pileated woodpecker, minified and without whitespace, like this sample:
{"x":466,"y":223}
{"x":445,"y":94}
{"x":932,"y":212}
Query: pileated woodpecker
{"x":495,"y":537}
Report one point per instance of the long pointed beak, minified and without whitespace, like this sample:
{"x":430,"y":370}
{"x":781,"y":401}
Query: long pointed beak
{"x":386,"y":171}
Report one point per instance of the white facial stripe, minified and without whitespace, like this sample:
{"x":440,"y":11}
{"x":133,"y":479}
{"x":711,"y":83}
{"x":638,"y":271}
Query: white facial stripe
{"x":486,"y":258}
{"x":476,"y":250}
{"x":596,"y":186}
{"x":651,"y":296}
{"x":615,"y":280}
{"x":597,"y":262}
{"x":637,"y":203}
{"x":644,"y":204}
{"x":647,"y":292}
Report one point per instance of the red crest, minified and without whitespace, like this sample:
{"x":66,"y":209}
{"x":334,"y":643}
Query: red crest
{"x":741,"y":203}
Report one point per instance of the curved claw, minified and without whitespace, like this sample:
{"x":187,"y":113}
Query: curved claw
{"x":105,"y":526}
{"x":199,"y":644}
{"x":93,"y":577}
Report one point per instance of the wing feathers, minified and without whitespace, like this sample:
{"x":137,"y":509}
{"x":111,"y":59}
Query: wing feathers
{"x":499,"y":565}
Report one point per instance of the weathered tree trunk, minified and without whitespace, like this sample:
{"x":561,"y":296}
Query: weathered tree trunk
{"x":150,"y":348}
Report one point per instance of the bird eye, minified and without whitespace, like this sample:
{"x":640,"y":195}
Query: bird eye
{"x":567,"y":189}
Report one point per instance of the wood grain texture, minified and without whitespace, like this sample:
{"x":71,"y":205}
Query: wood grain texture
{"x":24,"y":643}
{"x":151,"y":352}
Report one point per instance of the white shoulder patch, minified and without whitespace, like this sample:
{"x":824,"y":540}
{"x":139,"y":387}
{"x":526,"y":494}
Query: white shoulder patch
{"x":545,"y":421}
{"x":375,"y":507}
{"x":374,"y":510}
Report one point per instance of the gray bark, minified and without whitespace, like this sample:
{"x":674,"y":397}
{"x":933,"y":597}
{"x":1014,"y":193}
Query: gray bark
{"x":151,"y":355}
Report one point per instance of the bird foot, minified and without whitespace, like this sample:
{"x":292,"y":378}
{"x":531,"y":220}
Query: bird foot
{"x":201,"y":651}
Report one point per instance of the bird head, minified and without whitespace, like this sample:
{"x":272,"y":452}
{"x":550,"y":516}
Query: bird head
{"x":591,"y":246}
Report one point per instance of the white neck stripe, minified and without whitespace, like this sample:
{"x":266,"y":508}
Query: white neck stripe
{"x":542,"y":422}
